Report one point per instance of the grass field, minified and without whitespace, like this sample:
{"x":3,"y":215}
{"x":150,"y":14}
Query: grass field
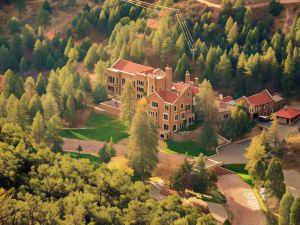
{"x":95,"y":160}
{"x":99,"y":127}
{"x":190,"y":148}
{"x":241,"y":171}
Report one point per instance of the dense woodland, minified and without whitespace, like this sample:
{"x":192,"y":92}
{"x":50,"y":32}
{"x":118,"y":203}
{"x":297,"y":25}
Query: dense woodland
{"x":236,"y":54}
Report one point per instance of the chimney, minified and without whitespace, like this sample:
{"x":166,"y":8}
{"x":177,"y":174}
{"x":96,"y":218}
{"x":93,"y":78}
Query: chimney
{"x":187,"y":77}
{"x":221,"y":97}
{"x":196,"y":82}
{"x":169,"y":75}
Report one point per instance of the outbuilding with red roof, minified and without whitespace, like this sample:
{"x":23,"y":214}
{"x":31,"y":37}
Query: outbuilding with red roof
{"x":288,"y":115}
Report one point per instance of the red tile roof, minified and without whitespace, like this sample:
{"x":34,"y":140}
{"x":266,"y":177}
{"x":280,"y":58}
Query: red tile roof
{"x":181,"y":86}
{"x":227,"y":99}
{"x":1,"y":83}
{"x":259,"y":99}
{"x":288,"y":112}
{"x":168,"y":96}
{"x":131,"y":67}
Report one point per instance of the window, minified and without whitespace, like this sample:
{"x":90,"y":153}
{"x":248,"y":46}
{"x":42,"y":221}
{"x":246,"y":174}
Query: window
{"x":182,"y":116}
{"x":156,"y":114}
{"x":123,"y":80}
{"x":182,"y":105}
{"x":188,"y":94}
{"x":166,"y":116}
{"x":166,"y":107}
{"x":111,"y":79}
{"x":176,"y":117}
{"x":166,"y":127}
{"x":110,"y":88}
{"x":175,"y":108}
{"x":174,"y":127}
{"x":140,"y":89}
{"x":154,"y":104}
{"x":152,"y":88}
{"x":188,"y":107}
{"x":139,"y":96}
{"x":140,"y":82}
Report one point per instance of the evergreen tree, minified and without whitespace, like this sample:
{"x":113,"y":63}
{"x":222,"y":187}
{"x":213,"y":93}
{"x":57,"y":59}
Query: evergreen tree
{"x":99,"y":93}
{"x":99,"y":70}
{"x":255,"y":151}
{"x":233,"y":34}
{"x":69,"y":46}
{"x":85,"y":84}
{"x":44,"y":18}
{"x":79,"y":149}
{"x":248,"y":19}
{"x":24,"y":64}
{"x":14,"y":24}
{"x":208,"y":137}
{"x":70,"y":108}
{"x":53,"y":132}
{"x":50,"y":107}
{"x":91,"y":57}
{"x":40,"y":85}
{"x":128,"y":106}
{"x":35,"y":105}
{"x":21,"y":6}
{"x":9,"y":83}
{"x":104,"y":154}
{"x":228,"y":25}
{"x":273,"y":136}
{"x":200,"y":178}
{"x":73,"y":54}
{"x":181,"y":68}
{"x":258,"y":171}
{"x":54,"y":89}
{"x":29,"y":87}
{"x":295,"y":212}
{"x":183,"y":178}
{"x":275,"y":179}
{"x":285,"y":208}
{"x":143,"y":143}
{"x":38,"y":128}
{"x":46,"y":6}
{"x":224,"y":70}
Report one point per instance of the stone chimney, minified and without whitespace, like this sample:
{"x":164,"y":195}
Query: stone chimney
{"x":196,"y":82}
{"x":187,"y":77}
{"x":169,"y":76}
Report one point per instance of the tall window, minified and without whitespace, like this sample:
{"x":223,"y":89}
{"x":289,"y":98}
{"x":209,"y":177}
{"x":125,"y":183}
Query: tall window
{"x":166,"y":107}
{"x":166,"y":127}
{"x":166,"y":116}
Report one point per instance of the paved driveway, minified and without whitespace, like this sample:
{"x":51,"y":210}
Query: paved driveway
{"x":241,"y":201}
{"x":234,"y":153}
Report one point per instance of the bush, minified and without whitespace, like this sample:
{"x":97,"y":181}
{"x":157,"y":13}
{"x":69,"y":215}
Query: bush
{"x":275,"y":8}
{"x":14,"y":25}
{"x":99,"y":93}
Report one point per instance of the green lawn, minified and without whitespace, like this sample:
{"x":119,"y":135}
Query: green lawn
{"x":95,"y":160}
{"x":241,"y":171}
{"x":190,"y":148}
{"x":99,"y":127}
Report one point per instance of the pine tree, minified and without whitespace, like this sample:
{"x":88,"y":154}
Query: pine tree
{"x":50,"y":107}
{"x":285,"y":208}
{"x":73,"y":54}
{"x":233,"y":34}
{"x":181,"y":68}
{"x":99,"y":93}
{"x":9,"y":83}
{"x":143,"y":143}
{"x":273,"y":136}
{"x":24,"y":64}
{"x":91,"y":57}
{"x":183,"y":178}
{"x":208,"y":137}
{"x":289,"y":73}
{"x":54,"y":89}
{"x":46,"y":6}
{"x":38,"y":128}
{"x":69,"y":46}
{"x":29,"y":87}
{"x":128,"y":106}
{"x":103,"y":154}
{"x":229,"y":24}
{"x":70,"y":108}
{"x":275,"y":179}
{"x":255,"y":152}
{"x":99,"y":70}
{"x":21,"y":6}
{"x":44,"y":18}
{"x":35,"y":105}
{"x":53,"y":132}
{"x":224,"y":70}
{"x":79,"y":149}
{"x":295,"y":212}
{"x":259,"y":170}
{"x":40,"y":85}
{"x":248,"y":19}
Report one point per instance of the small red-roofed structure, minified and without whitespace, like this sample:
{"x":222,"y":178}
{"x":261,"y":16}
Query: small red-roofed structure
{"x":288,"y":115}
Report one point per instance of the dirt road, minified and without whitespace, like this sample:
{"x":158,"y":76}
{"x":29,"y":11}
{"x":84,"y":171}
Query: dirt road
{"x":241,"y":201}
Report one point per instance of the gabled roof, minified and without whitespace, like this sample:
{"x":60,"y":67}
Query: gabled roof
{"x":288,"y":112}
{"x":227,"y":99}
{"x":261,"y":98}
{"x":168,"y":96}
{"x":1,"y":83}
{"x":180,"y":86}
{"x":131,"y":67}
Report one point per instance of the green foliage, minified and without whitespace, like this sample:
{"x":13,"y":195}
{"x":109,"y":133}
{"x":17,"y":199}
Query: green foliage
{"x":46,"y":6}
{"x":275,"y":8}
{"x":295,"y":212}
{"x":99,"y":127}
{"x":285,"y":209}
{"x":91,"y":57}
{"x":99,"y":93}
{"x":14,"y":25}
{"x":208,"y":137}
{"x":275,"y":179}
{"x":128,"y":106}
{"x":44,"y":18}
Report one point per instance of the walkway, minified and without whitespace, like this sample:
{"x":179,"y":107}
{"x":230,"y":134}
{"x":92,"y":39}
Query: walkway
{"x":241,"y":201}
